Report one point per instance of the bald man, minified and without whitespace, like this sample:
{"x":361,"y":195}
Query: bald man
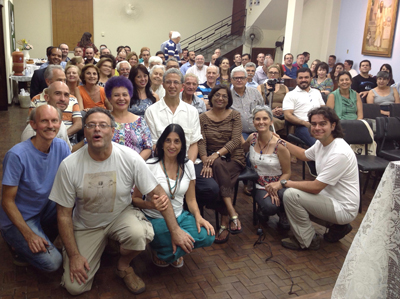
{"x":29,"y":169}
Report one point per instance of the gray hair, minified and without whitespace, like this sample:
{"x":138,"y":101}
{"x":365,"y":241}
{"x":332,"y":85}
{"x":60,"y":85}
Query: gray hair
{"x":101,"y":110}
{"x":217,"y":68}
{"x":122,"y":62}
{"x":32,"y":116}
{"x":191,"y":75}
{"x":48,"y":73}
{"x":239,"y":69}
{"x":267,"y":60}
{"x":259,"y":108}
{"x":156,"y":67}
{"x":170,"y":59}
{"x":173,"y":71}
{"x":384,"y":75}
{"x":155,"y":59}
{"x":251,"y":64}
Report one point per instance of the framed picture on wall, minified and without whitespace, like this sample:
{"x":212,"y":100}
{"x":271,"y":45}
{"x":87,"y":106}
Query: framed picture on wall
{"x":379,"y":28}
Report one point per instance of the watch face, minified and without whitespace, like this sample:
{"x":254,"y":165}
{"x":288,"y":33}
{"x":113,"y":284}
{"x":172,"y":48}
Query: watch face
{"x":283,"y":182}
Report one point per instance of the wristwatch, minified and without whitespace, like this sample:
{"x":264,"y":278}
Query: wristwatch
{"x":283,"y":183}
{"x":218,"y":154}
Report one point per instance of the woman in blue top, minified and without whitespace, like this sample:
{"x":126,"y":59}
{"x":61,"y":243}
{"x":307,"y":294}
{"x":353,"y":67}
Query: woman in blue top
{"x":142,"y":97}
{"x":176,"y":175}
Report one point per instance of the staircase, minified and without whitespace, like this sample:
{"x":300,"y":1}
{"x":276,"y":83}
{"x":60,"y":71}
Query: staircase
{"x":225,"y":35}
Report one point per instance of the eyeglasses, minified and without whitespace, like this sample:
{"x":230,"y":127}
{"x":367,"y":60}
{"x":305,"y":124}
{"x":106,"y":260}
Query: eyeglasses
{"x":169,"y":82}
{"x":103,"y":126}
{"x":273,"y":73}
{"x":238,"y":78}
{"x":218,"y":95}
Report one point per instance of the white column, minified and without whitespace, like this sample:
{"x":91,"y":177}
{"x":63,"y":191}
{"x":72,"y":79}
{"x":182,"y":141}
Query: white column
{"x":293,"y":27}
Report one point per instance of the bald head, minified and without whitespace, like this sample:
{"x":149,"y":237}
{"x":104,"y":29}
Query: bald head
{"x":199,"y":60}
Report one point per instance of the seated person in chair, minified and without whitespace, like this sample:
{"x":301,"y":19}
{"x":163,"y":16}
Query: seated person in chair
{"x":333,"y":196}
{"x":271,"y":159}
{"x":298,"y":102}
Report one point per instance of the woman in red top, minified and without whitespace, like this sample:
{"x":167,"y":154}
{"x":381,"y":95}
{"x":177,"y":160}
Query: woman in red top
{"x":86,"y":42}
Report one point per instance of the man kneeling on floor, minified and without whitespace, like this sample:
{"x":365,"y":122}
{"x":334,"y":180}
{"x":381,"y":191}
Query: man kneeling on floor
{"x":98,"y":180}
{"x":334,"y":195}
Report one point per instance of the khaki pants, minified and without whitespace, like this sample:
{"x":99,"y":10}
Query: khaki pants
{"x":131,"y":229}
{"x":299,"y":205}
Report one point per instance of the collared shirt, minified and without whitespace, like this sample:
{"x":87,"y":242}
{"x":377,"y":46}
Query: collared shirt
{"x":196,"y":103}
{"x":260,"y":76}
{"x":292,"y":73}
{"x":158,"y":116}
{"x":245,"y":105}
{"x":46,"y":64}
{"x":252,"y":84}
{"x":171,"y":50}
{"x":162,"y":47}
{"x":185,"y":67}
{"x":200,"y":73}
{"x":301,"y":101}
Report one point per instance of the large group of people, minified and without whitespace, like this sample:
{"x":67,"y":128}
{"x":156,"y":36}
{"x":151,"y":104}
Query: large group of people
{"x":156,"y":136}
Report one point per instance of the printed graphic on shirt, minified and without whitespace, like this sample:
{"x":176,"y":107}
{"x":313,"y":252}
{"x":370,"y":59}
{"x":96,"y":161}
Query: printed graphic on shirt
{"x":99,"y":190}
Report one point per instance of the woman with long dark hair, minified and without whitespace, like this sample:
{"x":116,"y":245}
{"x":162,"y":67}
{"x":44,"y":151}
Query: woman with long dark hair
{"x":86,"y":41}
{"x":388,"y":68}
{"x":142,"y":97}
{"x":177,"y":177}
{"x":334,"y":74}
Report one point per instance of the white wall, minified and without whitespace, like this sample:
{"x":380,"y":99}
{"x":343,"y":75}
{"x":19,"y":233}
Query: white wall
{"x":7,"y":50}
{"x":350,"y":36}
{"x":151,"y":28}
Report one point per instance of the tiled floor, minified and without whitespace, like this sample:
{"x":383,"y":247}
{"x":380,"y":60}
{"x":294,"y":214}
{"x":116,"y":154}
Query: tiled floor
{"x":236,"y":269}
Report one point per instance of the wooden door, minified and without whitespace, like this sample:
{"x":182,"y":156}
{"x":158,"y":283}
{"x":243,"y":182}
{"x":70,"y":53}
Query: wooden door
{"x":238,"y":18}
{"x":256,"y":51}
{"x":70,"y":20}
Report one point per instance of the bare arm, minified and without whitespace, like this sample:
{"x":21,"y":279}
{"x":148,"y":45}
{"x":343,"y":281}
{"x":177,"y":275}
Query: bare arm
{"x":79,"y":98}
{"x":36,"y":243}
{"x":193,"y":151}
{"x":360,"y":113}
{"x":78,"y":264}
{"x":289,"y":116}
{"x":370,"y":97}
{"x":313,"y":187}
{"x":108,"y":105}
{"x":145,"y":154}
{"x":76,"y":126}
{"x":331,"y":101}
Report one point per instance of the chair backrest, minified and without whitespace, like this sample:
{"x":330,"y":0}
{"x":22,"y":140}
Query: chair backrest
{"x":380,"y":132}
{"x":355,"y":132}
{"x":392,"y":131}
{"x":371,"y":110}
{"x":394,"y":110}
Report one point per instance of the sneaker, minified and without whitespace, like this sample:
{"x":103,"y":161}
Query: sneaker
{"x":283,"y":221}
{"x":337,"y":232}
{"x":293,"y":244}
{"x":133,"y":282}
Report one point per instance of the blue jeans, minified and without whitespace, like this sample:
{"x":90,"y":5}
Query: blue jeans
{"x":303,"y":133}
{"x":46,"y":261}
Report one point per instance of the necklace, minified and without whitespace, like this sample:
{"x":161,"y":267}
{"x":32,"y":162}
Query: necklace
{"x":169,"y":185}
{"x":267,"y":145}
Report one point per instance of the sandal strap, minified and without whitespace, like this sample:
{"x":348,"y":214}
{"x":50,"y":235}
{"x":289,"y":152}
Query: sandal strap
{"x":221,"y":229}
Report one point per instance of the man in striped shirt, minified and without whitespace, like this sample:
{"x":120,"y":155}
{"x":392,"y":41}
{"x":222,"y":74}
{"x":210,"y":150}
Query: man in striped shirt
{"x":171,"y":49}
{"x":72,"y":117}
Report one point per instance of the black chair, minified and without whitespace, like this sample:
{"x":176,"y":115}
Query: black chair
{"x":389,"y":148}
{"x":247,"y":174}
{"x":394,"y":110}
{"x":355,"y":132}
{"x":371,"y":111}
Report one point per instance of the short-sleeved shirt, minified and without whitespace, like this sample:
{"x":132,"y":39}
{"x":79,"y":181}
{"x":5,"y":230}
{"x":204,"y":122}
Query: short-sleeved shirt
{"x":301,"y":101}
{"x":200,"y":73}
{"x":196,"y":103}
{"x":337,"y":167}
{"x":100,"y":190}
{"x":158,"y":116}
{"x":360,"y":84}
{"x":292,"y":73}
{"x":245,"y":104}
{"x":185,"y":67}
{"x":203,"y":90}
{"x":33,"y":172}
{"x":260,"y":76}
{"x":171,"y":50}
{"x":183,"y":185}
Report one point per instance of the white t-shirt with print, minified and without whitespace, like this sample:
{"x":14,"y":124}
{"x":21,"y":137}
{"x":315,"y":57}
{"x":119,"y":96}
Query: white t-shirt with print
{"x":183,"y":185}
{"x":101,"y":190}
{"x":336,"y":166}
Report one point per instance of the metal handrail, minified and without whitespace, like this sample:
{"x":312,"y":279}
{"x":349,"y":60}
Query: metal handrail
{"x":221,"y":30}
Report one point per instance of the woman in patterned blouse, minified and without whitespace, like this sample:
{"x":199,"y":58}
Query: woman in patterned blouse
{"x":321,"y":80}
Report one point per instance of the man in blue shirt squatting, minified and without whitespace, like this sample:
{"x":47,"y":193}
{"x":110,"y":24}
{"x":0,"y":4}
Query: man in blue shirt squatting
{"x":26,"y":212}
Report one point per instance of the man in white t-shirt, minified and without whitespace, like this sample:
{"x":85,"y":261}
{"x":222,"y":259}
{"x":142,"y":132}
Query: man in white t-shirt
{"x":298,"y":102}
{"x":334,"y":195}
{"x":97,"y":181}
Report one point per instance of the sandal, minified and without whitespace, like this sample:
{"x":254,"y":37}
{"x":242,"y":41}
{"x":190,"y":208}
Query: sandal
{"x":157,"y":261}
{"x":234,"y":220}
{"x":178,"y":263}
{"x":221,"y":230}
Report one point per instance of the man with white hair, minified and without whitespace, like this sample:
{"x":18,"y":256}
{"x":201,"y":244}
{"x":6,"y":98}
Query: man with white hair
{"x":124,"y":68}
{"x":171,"y":49}
{"x":199,"y":69}
{"x":154,"y":60}
{"x":251,"y":70}
{"x":262,"y":71}
{"x":244,"y":99}
{"x":178,"y":45}
{"x":190,"y":84}
{"x":205,"y":88}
